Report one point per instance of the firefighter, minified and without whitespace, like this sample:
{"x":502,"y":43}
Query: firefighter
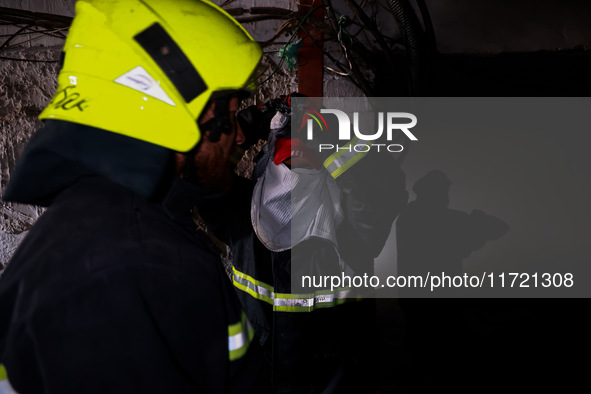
{"x":113,"y":290}
{"x":318,"y":340}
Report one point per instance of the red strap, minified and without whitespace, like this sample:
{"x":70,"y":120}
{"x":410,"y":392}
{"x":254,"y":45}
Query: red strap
{"x":285,"y":148}
{"x":282,"y":150}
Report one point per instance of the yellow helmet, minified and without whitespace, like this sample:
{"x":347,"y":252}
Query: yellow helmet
{"x":147,"y":68}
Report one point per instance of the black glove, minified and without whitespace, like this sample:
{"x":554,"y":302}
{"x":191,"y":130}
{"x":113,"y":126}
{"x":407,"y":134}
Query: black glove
{"x":255,"y":120}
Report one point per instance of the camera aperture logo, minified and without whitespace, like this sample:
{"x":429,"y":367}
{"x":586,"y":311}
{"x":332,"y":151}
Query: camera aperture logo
{"x":363,"y":140}
{"x":316,"y":116}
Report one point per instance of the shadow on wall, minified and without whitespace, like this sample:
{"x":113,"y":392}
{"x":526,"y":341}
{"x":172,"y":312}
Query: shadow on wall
{"x":434,"y":238}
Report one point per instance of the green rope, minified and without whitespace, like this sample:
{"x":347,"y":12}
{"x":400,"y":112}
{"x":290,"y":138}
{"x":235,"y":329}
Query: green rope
{"x":283,"y":51}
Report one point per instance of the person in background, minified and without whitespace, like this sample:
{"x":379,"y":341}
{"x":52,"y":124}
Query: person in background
{"x":318,"y":340}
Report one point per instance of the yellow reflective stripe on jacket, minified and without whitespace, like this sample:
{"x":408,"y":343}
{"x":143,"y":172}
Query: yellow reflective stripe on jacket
{"x":5,"y":387}
{"x":309,"y":302}
{"x":255,"y":288}
{"x":285,"y":302}
{"x":239,"y":338}
{"x":343,"y":159}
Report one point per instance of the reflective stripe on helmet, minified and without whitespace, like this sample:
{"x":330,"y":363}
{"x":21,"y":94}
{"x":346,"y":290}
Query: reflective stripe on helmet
{"x":285,"y":302}
{"x":345,"y":157}
{"x":5,"y":387}
{"x":239,"y":337}
{"x":172,"y":61}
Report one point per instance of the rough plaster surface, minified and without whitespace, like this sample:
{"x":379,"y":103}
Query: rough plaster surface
{"x":284,"y":80}
{"x":25,"y":88}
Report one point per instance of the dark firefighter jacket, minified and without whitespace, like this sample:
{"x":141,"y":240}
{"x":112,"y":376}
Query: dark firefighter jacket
{"x":112,"y":290}
{"x":317,"y":348}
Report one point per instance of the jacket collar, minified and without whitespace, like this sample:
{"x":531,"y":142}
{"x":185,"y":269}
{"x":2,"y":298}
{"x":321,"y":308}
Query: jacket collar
{"x":61,"y":153}
{"x":181,"y":198}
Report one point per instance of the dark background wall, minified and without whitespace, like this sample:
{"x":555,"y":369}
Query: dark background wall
{"x":496,"y":26}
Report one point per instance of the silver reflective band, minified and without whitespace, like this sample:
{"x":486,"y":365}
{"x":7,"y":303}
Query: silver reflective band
{"x":5,"y":387}
{"x":283,"y":302}
{"x":239,"y":337}
{"x":343,"y":158}
{"x":239,"y":340}
{"x":253,"y":287}
{"x":317,"y":300}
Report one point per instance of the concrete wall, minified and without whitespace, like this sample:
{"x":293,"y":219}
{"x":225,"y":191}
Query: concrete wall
{"x":283,"y":80}
{"x":25,"y":88}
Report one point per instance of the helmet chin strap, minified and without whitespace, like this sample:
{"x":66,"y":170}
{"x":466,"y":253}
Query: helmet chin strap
{"x":220,"y":123}
{"x":217,"y":125}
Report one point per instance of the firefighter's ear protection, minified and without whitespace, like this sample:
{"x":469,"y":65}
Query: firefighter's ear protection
{"x":147,"y":68}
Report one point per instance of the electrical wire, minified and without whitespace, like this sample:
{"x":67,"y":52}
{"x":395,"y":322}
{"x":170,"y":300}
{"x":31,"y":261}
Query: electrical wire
{"x":28,"y":60}
{"x":340,"y":23}
{"x":289,"y":42}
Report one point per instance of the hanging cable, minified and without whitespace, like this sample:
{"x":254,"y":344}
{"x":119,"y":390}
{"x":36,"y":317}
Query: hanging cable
{"x":289,"y":42}
{"x":340,"y":23}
